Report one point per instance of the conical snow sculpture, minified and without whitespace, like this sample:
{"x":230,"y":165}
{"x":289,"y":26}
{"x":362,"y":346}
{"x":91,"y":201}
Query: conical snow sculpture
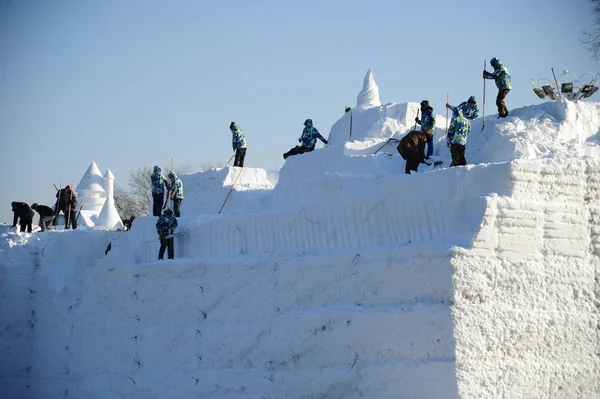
{"x":90,"y":190}
{"x":369,"y":96}
{"x":109,"y":218}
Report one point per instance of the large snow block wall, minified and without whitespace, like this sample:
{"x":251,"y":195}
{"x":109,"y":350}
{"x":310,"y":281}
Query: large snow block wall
{"x":489,"y":290}
{"x":374,"y":324}
{"x":41,"y":313}
{"x":527,"y":320}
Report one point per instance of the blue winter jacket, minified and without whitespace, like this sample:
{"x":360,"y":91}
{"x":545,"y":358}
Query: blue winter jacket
{"x":166,"y":225}
{"x":176,"y":186}
{"x":460,"y":126}
{"x":310,"y":135}
{"x":501,"y":75}
{"x":159,"y":182}
{"x":427,"y":119}
{"x":238,"y":139}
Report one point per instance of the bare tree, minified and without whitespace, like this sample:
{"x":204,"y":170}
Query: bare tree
{"x":137,"y":199}
{"x":591,"y":37}
{"x":126,"y":204}
{"x":140,"y":190}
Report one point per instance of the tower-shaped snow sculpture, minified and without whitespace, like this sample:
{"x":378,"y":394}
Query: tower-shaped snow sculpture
{"x":90,"y":190}
{"x":109,"y":218}
{"x":369,"y":95}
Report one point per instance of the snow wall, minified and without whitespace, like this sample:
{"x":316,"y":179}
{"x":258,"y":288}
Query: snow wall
{"x":340,"y":278}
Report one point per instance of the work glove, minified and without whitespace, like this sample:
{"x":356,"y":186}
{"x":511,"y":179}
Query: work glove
{"x":325,"y":142}
{"x":300,"y":140}
{"x":448,"y":105}
{"x":418,"y":120}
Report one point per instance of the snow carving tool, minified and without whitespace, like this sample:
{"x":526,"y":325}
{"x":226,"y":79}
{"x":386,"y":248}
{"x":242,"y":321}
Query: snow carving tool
{"x":386,"y":143}
{"x":447,"y":102}
{"x":69,"y":207}
{"x":483,"y":107}
{"x":168,"y":200}
{"x":230,"y":159}
{"x":232,"y":186}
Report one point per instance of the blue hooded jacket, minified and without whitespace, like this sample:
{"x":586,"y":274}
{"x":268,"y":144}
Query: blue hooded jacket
{"x":427,"y":119}
{"x":238,"y":139}
{"x":501,"y":75}
{"x":158,"y":181}
{"x":460,"y":126}
{"x":310,"y":135}
{"x":166,"y":224}
{"x":176,"y":186}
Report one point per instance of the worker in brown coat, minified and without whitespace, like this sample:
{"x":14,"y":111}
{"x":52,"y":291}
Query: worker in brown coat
{"x":412,"y":148}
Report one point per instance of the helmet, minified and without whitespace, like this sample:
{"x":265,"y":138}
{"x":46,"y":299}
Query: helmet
{"x":34,"y":205}
{"x":308,"y":122}
{"x":472,"y":99}
{"x":425,"y":103}
{"x":231,"y":125}
{"x":168,"y":212}
{"x":494,"y":61}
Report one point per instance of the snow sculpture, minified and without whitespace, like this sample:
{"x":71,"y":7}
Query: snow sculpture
{"x":369,"y":96}
{"x":96,"y":200}
{"x":109,"y":218}
{"x":90,"y":190}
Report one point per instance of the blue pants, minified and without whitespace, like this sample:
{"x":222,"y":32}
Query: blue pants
{"x":429,"y":147}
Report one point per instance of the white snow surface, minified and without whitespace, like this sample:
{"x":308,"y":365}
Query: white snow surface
{"x":338,"y":277}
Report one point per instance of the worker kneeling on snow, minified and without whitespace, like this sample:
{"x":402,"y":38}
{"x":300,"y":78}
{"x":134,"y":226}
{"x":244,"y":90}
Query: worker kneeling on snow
{"x":309,"y":137}
{"x":412,"y":148}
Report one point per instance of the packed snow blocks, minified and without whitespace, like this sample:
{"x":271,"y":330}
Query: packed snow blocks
{"x":341,"y":278}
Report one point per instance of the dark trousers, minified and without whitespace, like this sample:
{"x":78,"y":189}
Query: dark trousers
{"x":25,"y":224}
{"x":157,"y":203}
{"x":458,"y":155}
{"x":412,"y":156}
{"x":299,"y":149}
{"x":177,"y":207}
{"x":166,"y":243}
{"x":502,"y":110}
{"x":240,"y":154}
{"x":70,"y":217}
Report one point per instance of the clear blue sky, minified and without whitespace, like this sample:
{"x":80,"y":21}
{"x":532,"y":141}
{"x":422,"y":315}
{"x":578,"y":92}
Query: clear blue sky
{"x":135,"y":83}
